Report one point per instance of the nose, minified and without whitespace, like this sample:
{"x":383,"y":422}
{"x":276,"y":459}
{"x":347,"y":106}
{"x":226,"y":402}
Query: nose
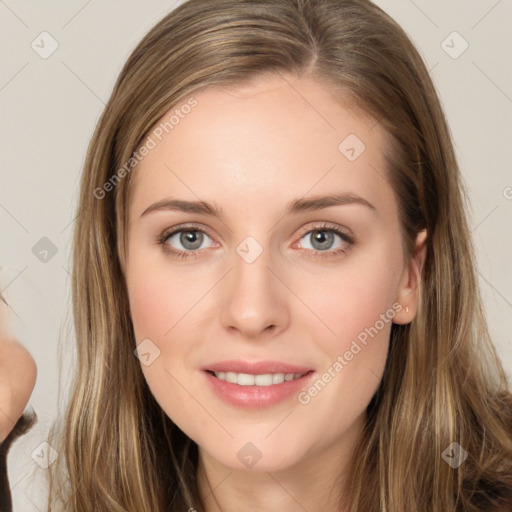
{"x":254,"y":298}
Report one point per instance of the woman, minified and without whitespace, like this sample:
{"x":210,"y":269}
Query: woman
{"x":272,"y":220}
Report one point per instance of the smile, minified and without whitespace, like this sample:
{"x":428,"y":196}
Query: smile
{"x":266,"y":379}
{"x":256,"y":390}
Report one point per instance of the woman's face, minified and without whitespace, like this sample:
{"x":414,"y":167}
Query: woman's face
{"x":264,"y":240}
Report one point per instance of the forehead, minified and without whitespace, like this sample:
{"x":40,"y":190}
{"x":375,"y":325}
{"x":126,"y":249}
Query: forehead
{"x":276,"y":137}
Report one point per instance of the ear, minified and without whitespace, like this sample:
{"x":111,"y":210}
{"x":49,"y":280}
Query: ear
{"x":409,"y":284}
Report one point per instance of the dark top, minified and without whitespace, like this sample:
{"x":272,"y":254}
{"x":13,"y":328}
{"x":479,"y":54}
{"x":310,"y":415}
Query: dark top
{"x":23,"y":425}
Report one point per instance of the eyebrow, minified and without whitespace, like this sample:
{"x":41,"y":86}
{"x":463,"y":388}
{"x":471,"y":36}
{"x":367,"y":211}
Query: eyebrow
{"x":293,"y":208}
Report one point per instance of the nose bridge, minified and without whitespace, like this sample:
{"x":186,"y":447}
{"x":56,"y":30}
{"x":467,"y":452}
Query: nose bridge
{"x":253,"y":299}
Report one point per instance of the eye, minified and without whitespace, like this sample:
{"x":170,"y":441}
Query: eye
{"x":184,"y":242}
{"x":327,"y":239}
{"x":323,"y":241}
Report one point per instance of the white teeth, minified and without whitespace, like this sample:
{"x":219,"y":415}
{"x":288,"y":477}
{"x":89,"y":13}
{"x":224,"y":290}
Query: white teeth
{"x":231,"y":377}
{"x":246,"y":379}
{"x":277,"y":378}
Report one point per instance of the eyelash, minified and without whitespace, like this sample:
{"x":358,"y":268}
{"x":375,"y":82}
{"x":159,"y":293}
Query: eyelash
{"x":162,"y":240}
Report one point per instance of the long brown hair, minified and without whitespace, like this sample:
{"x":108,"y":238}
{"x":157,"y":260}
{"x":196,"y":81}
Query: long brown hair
{"x":443,"y":382}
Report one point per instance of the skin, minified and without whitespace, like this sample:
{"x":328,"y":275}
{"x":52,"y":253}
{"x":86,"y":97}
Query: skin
{"x":17,"y":377}
{"x":251,"y":150}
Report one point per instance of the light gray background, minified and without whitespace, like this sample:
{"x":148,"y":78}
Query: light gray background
{"x":49,"y":108}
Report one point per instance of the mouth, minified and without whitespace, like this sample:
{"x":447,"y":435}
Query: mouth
{"x":256,"y":385}
{"x":261,"y":379}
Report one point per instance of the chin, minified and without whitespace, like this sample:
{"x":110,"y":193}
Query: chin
{"x":256,"y":456}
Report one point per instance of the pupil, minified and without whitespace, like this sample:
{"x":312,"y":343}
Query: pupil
{"x":324,"y":238}
{"x":191,"y":240}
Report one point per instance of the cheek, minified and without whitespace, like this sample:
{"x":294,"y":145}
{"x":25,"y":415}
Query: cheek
{"x":355,"y":305}
{"x":352,"y":298}
{"x":162,"y":303}
{"x":155,"y":309}
{"x":149,"y":306}
{"x":160,"y":297}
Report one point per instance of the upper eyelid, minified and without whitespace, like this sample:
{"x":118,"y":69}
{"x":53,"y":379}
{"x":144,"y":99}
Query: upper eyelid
{"x":186,"y":227}
{"x":327,"y":226}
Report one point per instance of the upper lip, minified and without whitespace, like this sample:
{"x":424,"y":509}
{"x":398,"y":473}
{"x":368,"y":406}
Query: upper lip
{"x":255,"y":367}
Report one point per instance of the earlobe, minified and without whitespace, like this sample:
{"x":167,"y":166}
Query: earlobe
{"x":411,"y":279}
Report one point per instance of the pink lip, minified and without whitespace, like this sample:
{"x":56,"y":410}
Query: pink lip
{"x":255,"y":368}
{"x":256,"y":397}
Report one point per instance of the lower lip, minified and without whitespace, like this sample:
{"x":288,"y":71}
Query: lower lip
{"x":256,"y":397}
